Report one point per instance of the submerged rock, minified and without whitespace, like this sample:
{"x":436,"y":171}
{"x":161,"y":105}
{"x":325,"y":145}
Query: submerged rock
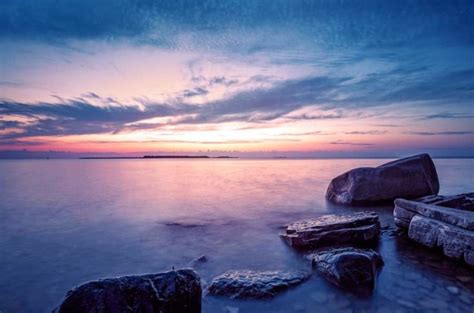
{"x":357,"y":228}
{"x":349,"y":268}
{"x":411,"y":177}
{"x":247,"y":284}
{"x":169,"y":292}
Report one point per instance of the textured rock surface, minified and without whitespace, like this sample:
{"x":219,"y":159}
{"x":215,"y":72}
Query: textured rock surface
{"x":170,"y":292}
{"x":349,"y":268}
{"x":405,"y":210}
{"x":411,"y":177}
{"x":440,"y":222}
{"x":328,"y":230}
{"x":246,"y":284}
{"x":455,"y":242}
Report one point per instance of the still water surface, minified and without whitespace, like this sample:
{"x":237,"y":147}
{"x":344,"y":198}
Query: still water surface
{"x":65,"y":222}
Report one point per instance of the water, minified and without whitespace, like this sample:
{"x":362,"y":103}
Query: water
{"x":65,"y":222}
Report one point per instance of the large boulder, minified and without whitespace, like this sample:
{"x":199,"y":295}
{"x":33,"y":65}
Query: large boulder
{"x":247,"y":284}
{"x":170,"y":292}
{"x":411,"y":177}
{"x":349,"y":268}
{"x":358,"y":228}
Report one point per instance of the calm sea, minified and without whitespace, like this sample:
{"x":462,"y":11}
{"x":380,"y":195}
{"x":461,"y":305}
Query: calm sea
{"x":65,"y":222}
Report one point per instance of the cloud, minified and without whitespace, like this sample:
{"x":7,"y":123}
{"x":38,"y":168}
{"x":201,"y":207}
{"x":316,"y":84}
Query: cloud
{"x":369,"y":132}
{"x":443,"y":133}
{"x":342,"y":142}
{"x":198,"y":91}
{"x":447,"y":115}
{"x":163,"y":23}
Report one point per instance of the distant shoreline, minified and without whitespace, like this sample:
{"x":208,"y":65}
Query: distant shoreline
{"x":160,"y":157}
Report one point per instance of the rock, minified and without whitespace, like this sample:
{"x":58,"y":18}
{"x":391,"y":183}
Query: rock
{"x":169,"y":292}
{"x":455,"y":242}
{"x":247,"y":284}
{"x":405,"y":210}
{"x":349,"y":268}
{"x":328,"y":230}
{"x":411,"y":177}
{"x":440,"y":222}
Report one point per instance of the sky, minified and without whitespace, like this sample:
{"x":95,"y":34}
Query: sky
{"x":321,"y":78}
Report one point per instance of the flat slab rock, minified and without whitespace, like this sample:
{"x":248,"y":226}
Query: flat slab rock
{"x":245,"y":284}
{"x":411,"y":177}
{"x":170,"y":292}
{"x":349,"y":268}
{"x":329,"y":230}
{"x":437,"y":222}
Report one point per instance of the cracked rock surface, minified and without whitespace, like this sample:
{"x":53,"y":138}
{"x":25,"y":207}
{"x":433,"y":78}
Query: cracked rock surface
{"x":357,"y":228}
{"x":245,"y":284}
{"x":170,"y":292}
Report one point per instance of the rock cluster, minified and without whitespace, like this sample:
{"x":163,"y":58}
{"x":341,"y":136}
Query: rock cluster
{"x":349,"y":268}
{"x":170,"y":292}
{"x":440,"y":222}
{"x":247,"y":284}
{"x":411,"y":177}
{"x":331,"y":230}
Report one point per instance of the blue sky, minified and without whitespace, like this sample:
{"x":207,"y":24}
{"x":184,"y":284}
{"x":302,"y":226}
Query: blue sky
{"x":301,"y":78}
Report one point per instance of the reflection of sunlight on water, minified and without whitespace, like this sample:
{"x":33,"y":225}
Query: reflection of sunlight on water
{"x":66,"y":222}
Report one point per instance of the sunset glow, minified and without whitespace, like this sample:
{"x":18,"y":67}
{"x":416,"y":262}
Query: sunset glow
{"x":224,"y":83}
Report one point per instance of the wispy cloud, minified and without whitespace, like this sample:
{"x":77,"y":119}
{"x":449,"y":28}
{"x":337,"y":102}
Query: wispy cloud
{"x":349,"y":143}
{"x":443,"y":133}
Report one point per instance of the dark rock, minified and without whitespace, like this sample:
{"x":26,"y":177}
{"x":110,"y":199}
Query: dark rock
{"x":357,"y":228}
{"x":170,"y":292}
{"x":349,"y":268}
{"x":247,"y":284}
{"x":411,"y":177}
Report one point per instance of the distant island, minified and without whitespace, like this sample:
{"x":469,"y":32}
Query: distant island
{"x":161,"y":157}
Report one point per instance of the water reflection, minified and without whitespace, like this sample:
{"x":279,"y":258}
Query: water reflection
{"x":66,"y":222}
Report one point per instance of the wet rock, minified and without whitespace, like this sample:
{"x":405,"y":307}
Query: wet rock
{"x":411,"y":177}
{"x":357,"y":228}
{"x":247,"y":284}
{"x":455,"y":242}
{"x":349,"y":268}
{"x":170,"y":292}
{"x":437,"y":222}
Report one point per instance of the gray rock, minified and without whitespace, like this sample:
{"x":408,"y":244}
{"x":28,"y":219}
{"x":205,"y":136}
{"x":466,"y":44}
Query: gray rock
{"x":411,"y":177}
{"x":349,"y":268}
{"x":445,"y":222}
{"x":328,"y":230}
{"x":455,"y":242}
{"x":169,"y":292}
{"x":247,"y":284}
